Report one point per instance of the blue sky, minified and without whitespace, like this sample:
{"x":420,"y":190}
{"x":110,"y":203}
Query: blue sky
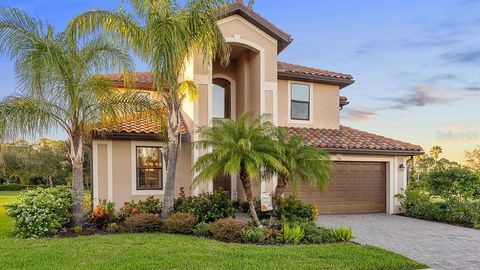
{"x":416,"y":63}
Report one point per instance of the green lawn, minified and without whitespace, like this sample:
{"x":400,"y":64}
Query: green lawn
{"x":166,"y":251}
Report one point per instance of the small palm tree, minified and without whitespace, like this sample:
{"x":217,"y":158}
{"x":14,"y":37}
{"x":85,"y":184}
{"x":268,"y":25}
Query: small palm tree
{"x":300,"y":162}
{"x":59,"y":87}
{"x":165,"y":34}
{"x":240,"y":148}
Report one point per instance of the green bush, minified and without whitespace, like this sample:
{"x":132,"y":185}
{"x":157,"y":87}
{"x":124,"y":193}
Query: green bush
{"x":342,"y":234}
{"x":292,"y":235}
{"x":148,"y":206}
{"x":103,"y":214}
{"x":227,"y":230}
{"x":454,"y":183}
{"x":10,"y":187}
{"x":293,"y":209}
{"x":315,"y":234}
{"x":206,"y":207}
{"x":145,"y":222}
{"x":181,"y":223}
{"x":253,"y":235}
{"x":418,"y":203}
{"x":202,"y":229}
{"x":41,"y":212}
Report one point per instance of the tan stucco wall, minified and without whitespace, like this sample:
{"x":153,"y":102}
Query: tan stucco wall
{"x":325,"y":111}
{"x":122,"y":171}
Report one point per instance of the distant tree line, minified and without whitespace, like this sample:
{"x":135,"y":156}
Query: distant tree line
{"x":45,"y":162}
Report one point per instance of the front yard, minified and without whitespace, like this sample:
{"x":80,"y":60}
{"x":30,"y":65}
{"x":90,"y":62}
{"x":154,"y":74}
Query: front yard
{"x":159,"y":250}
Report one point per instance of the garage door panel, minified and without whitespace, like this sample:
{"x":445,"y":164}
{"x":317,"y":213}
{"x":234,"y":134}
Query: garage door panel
{"x":357,"y":187}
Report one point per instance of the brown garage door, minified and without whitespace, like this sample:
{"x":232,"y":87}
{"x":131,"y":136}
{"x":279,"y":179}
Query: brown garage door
{"x":356,"y":187}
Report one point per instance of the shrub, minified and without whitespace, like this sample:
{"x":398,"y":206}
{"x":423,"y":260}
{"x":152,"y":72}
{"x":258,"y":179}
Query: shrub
{"x":142,"y":223}
{"x":202,"y":229}
{"x":454,"y":183}
{"x":245,"y":208}
{"x":114,"y":227}
{"x":227,"y":230}
{"x":253,"y":235}
{"x":418,"y":203}
{"x":77,"y":229}
{"x":10,"y":187}
{"x":293,"y":210}
{"x":41,"y":212}
{"x":342,"y":234}
{"x":87,"y":205}
{"x":103,"y":214}
{"x":148,"y":206}
{"x":206,"y":207}
{"x":181,"y":223}
{"x":272,"y":234}
{"x":315,"y":234}
{"x":292,"y":234}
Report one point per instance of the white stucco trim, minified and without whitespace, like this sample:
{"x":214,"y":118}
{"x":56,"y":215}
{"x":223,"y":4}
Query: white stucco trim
{"x":233,"y":93}
{"x":95,"y":172}
{"x":110,"y":171}
{"x":133,"y":157}
{"x":95,"y":180}
{"x":233,"y":189}
{"x":393,"y":171}
{"x":273,"y":86}
{"x":289,"y":104}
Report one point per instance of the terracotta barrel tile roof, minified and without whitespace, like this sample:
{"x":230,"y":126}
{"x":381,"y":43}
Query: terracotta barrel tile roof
{"x":348,"y":139}
{"x":293,"y":68}
{"x":140,"y":126}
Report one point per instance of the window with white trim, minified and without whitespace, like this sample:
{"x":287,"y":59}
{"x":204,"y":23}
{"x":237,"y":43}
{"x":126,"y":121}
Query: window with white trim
{"x":149,"y":168}
{"x":300,"y":102}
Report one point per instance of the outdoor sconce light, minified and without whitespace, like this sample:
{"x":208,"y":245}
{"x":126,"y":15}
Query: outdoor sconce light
{"x":339,"y":157}
{"x":401,"y":167}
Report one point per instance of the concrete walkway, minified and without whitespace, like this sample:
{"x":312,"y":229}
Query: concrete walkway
{"x":440,"y":246}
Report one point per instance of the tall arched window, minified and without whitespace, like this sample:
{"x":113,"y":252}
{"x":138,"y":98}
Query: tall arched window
{"x":221,"y":96}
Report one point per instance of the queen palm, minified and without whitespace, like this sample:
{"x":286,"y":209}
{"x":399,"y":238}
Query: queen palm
{"x":165,"y":34}
{"x":300,"y":163}
{"x":59,"y":88}
{"x":242,"y":148}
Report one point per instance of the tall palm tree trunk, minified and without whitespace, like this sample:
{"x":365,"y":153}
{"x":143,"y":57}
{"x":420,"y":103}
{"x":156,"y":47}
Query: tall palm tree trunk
{"x":172,"y":155}
{"x":247,"y":186}
{"x":76,"y":153}
{"x":279,"y":190}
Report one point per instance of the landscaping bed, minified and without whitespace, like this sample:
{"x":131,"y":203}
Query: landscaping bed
{"x":174,"y":251}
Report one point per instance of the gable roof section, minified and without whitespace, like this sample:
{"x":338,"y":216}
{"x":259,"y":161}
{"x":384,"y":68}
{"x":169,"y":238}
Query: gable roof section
{"x":256,"y":19}
{"x":349,"y":140}
{"x":289,"y":71}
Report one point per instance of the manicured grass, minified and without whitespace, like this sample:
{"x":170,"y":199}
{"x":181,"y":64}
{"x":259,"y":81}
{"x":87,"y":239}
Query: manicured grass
{"x":167,"y":251}
{"x":6,"y":197}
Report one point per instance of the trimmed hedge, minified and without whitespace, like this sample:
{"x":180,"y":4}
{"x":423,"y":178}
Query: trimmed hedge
{"x":10,"y":187}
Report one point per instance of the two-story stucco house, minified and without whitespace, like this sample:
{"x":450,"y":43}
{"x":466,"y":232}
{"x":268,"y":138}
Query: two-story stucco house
{"x":368,"y":169}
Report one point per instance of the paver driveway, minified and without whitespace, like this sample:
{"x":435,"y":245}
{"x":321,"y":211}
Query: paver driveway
{"x":440,"y":246}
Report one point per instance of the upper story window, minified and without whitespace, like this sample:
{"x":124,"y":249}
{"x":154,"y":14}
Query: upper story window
{"x":149,"y":168}
{"x":145,"y":94}
{"x":300,"y":102}
{"x":221,"y":97}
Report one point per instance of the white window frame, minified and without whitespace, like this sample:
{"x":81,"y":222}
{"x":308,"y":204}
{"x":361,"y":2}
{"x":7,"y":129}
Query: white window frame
{"x":133,"y":148}
{"x":310,"y":108}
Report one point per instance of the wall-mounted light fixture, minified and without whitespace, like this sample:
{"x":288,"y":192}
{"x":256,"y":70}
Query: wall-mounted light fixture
{"x":401,"y":167}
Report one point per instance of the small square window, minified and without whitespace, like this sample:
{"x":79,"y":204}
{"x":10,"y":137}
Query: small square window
{"x":300,"y":102}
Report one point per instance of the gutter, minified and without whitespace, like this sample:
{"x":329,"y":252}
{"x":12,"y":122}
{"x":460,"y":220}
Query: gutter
{"x":373,"y":152}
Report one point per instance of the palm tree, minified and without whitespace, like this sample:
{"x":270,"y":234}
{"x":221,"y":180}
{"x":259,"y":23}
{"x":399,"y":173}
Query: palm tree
{"x":435,"y":152}
{"x":166,"y":35}
{"x":241,"y":148}
{"x":59,"y":87}
{"x":300,"y":162}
